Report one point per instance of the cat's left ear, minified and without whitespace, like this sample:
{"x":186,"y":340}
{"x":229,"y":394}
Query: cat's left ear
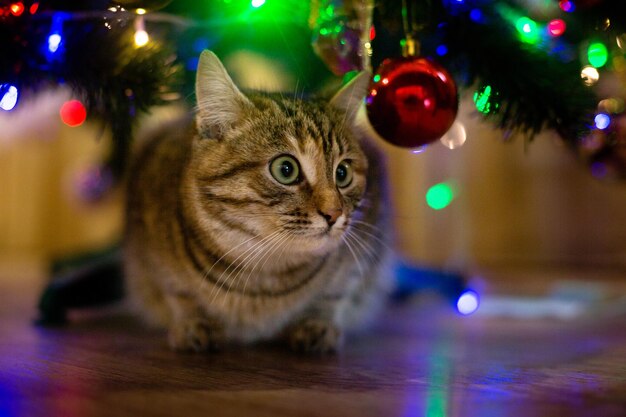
{"x":351,"y":95}
{"x":220,"y":103}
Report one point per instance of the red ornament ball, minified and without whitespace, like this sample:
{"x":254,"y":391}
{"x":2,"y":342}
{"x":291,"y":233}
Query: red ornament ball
{"x":73,"y":113}
{"x":412,"y":101}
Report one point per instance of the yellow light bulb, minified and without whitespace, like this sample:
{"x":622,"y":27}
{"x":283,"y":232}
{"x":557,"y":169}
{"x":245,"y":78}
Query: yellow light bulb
{"x":141,"y":38}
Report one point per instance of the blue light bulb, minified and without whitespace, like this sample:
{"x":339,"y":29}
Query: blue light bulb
{"x":467,"y":303}
{"x":54,"y":41}
{"x":602,"y":121}
{"x":8,"y":100}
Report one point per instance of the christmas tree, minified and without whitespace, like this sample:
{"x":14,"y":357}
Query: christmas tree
{"x":529,"y":64}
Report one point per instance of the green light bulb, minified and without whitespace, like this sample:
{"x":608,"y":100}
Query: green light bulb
{"x":597,"y":54}
{"x":481,"y":99}
{"x":527,"y":29}
{"x":439,"y":196}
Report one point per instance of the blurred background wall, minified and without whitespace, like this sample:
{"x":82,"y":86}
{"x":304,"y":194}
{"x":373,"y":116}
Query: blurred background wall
{"x":44,"y":166}
{"x":515,"y":203}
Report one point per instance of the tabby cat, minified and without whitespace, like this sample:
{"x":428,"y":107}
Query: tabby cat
{"x":260,"y":217}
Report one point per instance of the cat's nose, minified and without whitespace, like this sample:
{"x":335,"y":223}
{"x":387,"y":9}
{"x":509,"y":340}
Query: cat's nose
{"x":330,"y":215}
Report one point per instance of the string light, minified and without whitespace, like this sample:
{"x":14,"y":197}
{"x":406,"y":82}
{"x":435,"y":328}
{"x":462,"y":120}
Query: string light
{"x":476,"y":15}
{"x":527,"y":29}
{"x":257,"y":3}
{"x":612,"y":105}
{"x":140,"y":11}
{"x":73,"y":113}
{"x":442,"y":50}
{"x":33,"y":8}
{"x":9,"y":98}
{"x":590,"y":75}
{"x":556,"y":27}
{"x":54,"y":41}
{"x":17,"y":9}
{"x":602,"y":121}
{"x":468,"y":303}
{"x":141,"y":36}
{"x":567,"y":6}
{"x":439,"y":196}
{"x":597,"y":54}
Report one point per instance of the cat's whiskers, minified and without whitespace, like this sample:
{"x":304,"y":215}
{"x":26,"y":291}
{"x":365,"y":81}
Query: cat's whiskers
{"x":366,"y":224}
{"x":219,"y":283}
{"x":206,"y":274}
{"x":366,"y":247}
{"x":267,"y":256}
{"x":358,"y":248}
{"x":258,"y":251}
{"x":239,"y":263}
{"x":356,"y":227}
{"x":356,"y":258}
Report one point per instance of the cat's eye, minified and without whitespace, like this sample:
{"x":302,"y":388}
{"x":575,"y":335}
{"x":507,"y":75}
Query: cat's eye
{"x":285,"y":169}
{"x":343,"y":174}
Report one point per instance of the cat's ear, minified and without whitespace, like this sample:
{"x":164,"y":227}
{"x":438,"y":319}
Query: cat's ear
{"x":220,"y":103}
{"x":351,"y":95}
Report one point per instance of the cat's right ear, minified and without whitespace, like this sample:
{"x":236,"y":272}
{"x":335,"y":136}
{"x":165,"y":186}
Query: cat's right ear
{"x":220,"y":104}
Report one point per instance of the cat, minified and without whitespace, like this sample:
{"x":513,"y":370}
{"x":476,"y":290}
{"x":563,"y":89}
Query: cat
{"x":259,"y":217}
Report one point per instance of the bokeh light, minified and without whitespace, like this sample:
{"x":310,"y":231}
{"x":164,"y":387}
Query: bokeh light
{"x":468,"y":302}
{"x":257,"y":3}
{"x":590,"y":75}
{"x":612,"y":105}
{"x":141,"y":38}
{"x":17,"y":8}
{"x":73,"y":113}
{"x":8,"y":100}
{"x":556,"y":27}
{"x":527,"y":29}
{"x":602,"y":121}
{"x":439,"y":196}
{"x":597,"y":54}
{"x":476,"y":15}
{"x":54,"y":41}
{"x":567,"y":6}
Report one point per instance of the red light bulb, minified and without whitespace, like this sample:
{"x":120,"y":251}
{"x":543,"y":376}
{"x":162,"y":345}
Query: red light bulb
{"x":73,"y":113}
{"x":556,"y":27}
{"x":17,"y":8}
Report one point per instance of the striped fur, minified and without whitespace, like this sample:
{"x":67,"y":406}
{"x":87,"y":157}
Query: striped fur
{"x":219,"y":251}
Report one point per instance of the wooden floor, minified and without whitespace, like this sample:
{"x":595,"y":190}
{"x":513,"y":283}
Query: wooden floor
{"x":420,"y":360}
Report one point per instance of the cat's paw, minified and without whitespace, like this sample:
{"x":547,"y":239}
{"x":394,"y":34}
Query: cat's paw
{"x":196,"y":335}
{"x":315,"y":336}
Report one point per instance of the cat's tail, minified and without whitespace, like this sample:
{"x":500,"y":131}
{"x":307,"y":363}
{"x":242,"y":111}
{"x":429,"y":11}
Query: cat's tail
{"x":88,"y":280}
